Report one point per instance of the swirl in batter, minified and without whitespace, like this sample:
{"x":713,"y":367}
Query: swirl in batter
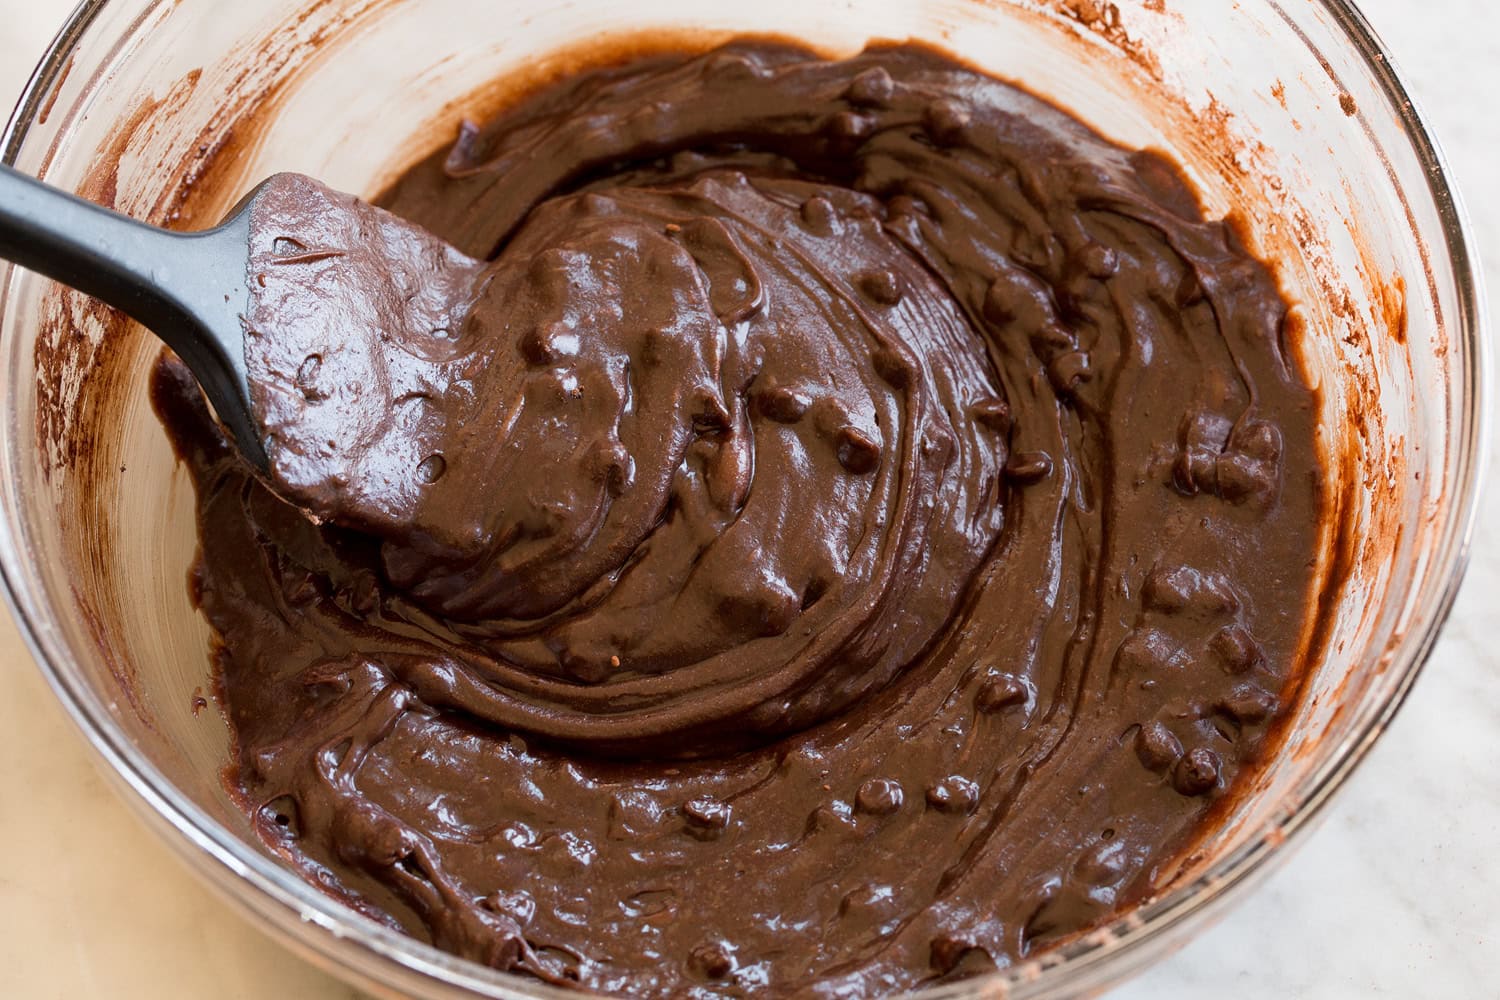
{"x":827,"y":527}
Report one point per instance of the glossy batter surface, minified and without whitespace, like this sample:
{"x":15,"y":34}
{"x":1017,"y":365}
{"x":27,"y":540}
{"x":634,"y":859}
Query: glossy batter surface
{"x":832,"y":526}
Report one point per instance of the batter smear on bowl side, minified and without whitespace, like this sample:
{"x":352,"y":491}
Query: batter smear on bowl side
{"x":833,"y":526}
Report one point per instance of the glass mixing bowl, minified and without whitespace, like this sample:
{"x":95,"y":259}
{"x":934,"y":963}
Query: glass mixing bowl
{"x":1286,"y":111}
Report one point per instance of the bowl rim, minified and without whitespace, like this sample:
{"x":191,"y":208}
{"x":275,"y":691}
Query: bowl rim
{"x":348,"y":940}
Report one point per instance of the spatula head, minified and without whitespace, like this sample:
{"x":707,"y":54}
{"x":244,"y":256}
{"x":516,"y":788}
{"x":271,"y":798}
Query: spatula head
{"x":350,"y":314}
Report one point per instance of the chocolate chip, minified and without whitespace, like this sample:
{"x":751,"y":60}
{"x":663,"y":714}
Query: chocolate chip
{"x":1197,"y":773}
{"x":785,"y":406}
{"x":1099,"y":261}
{"x":938,"y":447}
{"x":1260,"y":440}
{"x":1249,"y":705}
{"x":953,"y":795}
{"x":871,"y":88}
{"x":992,"y":413}
{"x":707,"y":814}
{"x":634,"y":814}
{"x":945,"y":120}
{"x":366,"y":833}
{"x":880,"y":286}
{"x":857,"y":451}
{"x":732,"y":66}
{"x":1239,"y":477}
{"x":1069,"y":370}
{"x":1182,"y":589}
{"x":819,"y":216}
{"x":1234,"y":465}
{"x":850,"y":125}
{"x":712,"y":960}
{"x":1001,"y":691}
{"x":1206,"y":431}
{"x":1149,"y":653}
{"x":879,"y":797}
{"x":1015,"y":298}
{"x":1236,"y":649}
{"x":1028,"y":467}
{"x":765,"y":607}
{"x":1051,"y":339}
{"x":1193,"y":473}
{"x":1167,"y":589}
{"x":892,"y":367}
{"x":1156,"y":746}
{"x":834,"y":818}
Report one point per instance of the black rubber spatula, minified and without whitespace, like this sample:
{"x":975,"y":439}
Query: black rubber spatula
{"x":190,"y":289}
{"x":199,"y":292}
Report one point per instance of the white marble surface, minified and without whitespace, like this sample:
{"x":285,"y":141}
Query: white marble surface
{"x":1397,"y":895}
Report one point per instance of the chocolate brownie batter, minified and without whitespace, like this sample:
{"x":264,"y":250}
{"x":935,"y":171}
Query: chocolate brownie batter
{"x":827,"y":527}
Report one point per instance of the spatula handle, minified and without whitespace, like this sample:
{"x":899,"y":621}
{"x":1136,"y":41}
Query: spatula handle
{"x":190,"y":289}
